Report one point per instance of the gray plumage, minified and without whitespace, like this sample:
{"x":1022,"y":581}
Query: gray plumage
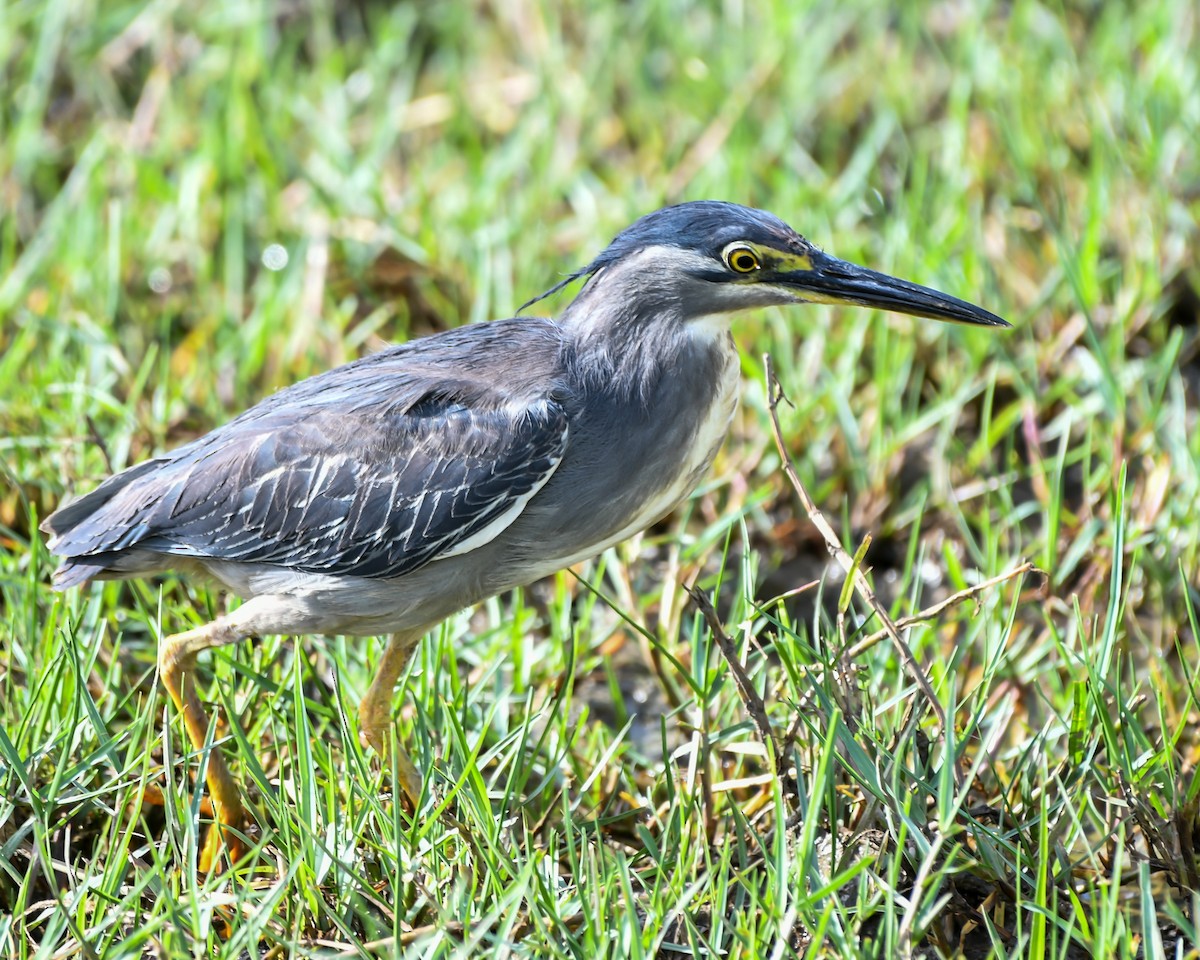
{"x":391,"y":491}
{"x":370,"y":470}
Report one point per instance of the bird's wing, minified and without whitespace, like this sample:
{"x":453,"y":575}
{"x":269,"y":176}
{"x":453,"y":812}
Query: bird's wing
{"x":373,"y":490}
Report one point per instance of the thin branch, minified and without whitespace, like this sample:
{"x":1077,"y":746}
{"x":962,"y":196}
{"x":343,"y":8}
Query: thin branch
{"x":750,"y":698}
{"x":929,"y":613}
{"x":844,"y":559}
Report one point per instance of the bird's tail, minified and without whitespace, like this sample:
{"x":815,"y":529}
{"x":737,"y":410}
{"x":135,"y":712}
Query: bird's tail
{"x":85,"y":535}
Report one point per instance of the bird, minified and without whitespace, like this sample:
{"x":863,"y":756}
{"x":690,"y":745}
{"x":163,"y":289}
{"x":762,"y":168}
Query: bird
{"x":384,"y":495}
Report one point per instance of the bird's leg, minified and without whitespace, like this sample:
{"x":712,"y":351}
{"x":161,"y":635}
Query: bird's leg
{"x":375,"y":711}
{"x":177,"y":668}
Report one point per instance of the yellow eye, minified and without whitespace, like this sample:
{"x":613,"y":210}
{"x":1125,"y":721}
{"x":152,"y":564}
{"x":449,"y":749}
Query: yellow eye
{"x":741,"y":259}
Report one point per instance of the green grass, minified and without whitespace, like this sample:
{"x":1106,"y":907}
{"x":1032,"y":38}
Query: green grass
{"x":426,"y":165}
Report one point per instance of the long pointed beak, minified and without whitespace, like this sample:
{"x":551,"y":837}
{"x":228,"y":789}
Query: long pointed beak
{"x":835,"y":281}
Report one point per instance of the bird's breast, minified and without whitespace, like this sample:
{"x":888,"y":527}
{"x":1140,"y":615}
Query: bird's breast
{"x":628,"y":466}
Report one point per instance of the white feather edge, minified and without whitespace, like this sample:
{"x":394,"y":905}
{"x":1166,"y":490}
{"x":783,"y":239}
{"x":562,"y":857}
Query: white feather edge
{"x":505,"y":520}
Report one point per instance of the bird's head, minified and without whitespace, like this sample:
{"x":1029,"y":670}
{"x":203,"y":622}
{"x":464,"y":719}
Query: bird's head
{"x":708,"y":258}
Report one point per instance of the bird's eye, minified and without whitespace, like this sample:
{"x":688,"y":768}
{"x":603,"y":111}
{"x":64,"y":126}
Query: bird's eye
{"x":740,"y":258}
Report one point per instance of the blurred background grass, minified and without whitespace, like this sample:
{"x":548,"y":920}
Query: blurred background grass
{"x":201,"y":203}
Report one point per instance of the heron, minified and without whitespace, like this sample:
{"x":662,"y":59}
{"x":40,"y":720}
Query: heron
{"x":384,"y":495}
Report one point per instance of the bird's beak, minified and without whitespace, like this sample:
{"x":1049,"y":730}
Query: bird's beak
{"x":830,"y":280}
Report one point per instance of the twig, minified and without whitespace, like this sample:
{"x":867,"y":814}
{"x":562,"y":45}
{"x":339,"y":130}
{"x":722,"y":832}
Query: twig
{"x":838,"y":552}
{"x":753,"y":702}
{"x":97,"y":440}
{"x":750,"y":698}
{"x":930,"y":613}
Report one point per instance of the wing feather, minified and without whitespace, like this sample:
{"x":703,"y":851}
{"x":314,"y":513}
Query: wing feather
{"x":358,"y":494}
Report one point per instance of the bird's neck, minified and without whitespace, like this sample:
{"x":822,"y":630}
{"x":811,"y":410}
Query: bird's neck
{"x":628,"y":344}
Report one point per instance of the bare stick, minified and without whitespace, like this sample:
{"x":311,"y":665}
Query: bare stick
{"x":845,"y":560}
{"x":931,"y":612}
{"x":753,"y":702}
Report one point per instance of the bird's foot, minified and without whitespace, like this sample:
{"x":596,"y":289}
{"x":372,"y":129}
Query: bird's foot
{"x":226,"y":831}
{"x":408,"y":777}
{"x":222,"y":836}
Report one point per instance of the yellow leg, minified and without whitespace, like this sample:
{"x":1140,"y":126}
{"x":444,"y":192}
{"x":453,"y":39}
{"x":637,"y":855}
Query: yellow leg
{"x":177,"y":668}
{"x":375,"y":711}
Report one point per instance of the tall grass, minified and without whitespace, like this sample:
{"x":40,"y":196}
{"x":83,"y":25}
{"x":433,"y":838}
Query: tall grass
{"x":203,"y":203}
